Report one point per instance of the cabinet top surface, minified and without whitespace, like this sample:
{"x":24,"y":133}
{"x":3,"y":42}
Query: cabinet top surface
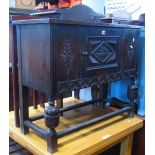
{"x":70,"y":22}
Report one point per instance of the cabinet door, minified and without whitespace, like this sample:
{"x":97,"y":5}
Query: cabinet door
{"x":103,"y":54}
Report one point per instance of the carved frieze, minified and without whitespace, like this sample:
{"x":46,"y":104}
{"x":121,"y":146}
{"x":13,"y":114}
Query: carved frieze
{"x":89,"y":82}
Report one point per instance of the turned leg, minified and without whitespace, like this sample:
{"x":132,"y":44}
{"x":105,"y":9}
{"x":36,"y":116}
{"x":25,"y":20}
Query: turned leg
{"x":102,"y":93}
{"x":51,"y":115}
{"x":24,"y":111}
{"x":132,"y":96}
{"x":52,"y":141}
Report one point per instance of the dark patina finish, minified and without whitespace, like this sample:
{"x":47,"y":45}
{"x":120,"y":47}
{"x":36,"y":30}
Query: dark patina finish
{"x":59,"y":54}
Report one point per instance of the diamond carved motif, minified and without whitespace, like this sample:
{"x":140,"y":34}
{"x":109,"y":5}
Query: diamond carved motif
{"x":104,"y":53}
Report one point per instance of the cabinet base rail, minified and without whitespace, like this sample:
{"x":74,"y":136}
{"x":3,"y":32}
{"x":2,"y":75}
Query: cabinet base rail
{"x":51,"y":135}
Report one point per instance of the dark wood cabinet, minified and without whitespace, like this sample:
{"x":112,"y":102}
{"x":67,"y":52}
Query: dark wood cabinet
{"x":58,"y":55}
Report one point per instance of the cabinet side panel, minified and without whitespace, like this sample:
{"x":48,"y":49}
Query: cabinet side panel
{"x":35,"y":50}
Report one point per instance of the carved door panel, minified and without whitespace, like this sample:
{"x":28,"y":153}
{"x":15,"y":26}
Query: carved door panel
{"x":103,"y":55}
